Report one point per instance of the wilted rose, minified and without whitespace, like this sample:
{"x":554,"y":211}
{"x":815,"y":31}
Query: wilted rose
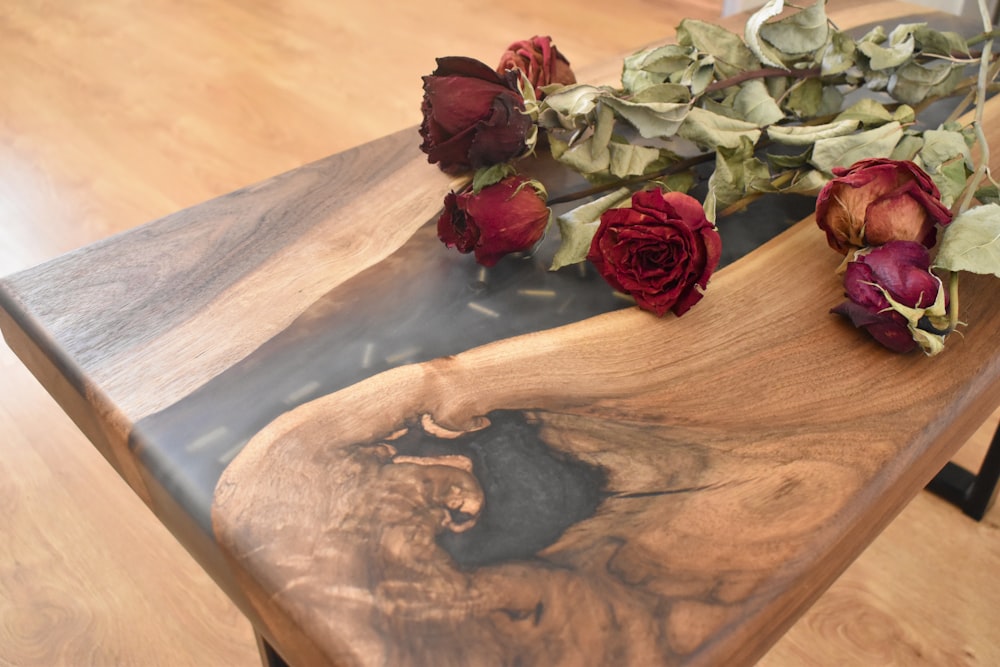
{"x":473,"y":117}
{"x":880,"y":200}
{"x":893,"y":296}
{"x":659,"y":251}
{"x":540,"y":61}
{"x":506,"y":217}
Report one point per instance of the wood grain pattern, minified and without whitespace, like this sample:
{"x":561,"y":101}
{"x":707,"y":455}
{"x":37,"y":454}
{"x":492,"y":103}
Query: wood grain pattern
{"x":96,"y":143}
{"x":773,"y":484}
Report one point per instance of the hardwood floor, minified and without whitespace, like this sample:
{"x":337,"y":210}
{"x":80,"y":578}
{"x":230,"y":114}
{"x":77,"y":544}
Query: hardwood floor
{"x":113,"y":113}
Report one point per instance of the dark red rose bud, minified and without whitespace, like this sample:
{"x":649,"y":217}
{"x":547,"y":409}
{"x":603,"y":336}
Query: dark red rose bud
{"x":879,"y":200}
{"x":506,"y":217}
{"x":660,"y":251}
{"x":539,"y":60}
{"x":473,"y":117}
{"x":889,"y":289}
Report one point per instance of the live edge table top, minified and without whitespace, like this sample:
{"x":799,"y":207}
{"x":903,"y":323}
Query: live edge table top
{"x":389,"y":455}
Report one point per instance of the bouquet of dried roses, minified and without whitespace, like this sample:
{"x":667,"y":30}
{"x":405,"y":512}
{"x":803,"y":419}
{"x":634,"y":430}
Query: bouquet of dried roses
{"x":793,"y":106}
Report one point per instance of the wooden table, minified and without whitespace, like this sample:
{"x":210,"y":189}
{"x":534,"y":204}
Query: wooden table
{"x":577,"y":480}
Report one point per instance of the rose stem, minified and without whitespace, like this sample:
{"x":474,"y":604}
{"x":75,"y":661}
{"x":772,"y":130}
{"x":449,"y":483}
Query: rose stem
{"x":678,"y":166}
{"x":953,"y":299}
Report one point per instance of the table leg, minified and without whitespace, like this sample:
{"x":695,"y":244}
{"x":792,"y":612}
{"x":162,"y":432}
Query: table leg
{"x":972,"y":492}
{"x":268,"y":656}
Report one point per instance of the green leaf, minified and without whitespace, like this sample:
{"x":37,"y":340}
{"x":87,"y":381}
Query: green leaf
{"x":663,"y":93}
{"x":737,"y":173}
{"x":782,"y":161}
{"x":945,"y":157}
{"x":808,"y":182}
{"x":873,"y":114}
{"x":802,"y":33}
{"x":751,"y":33}
{"x":805,"y":98}
{"x":712,"y":130}
{"x":653,"y":66}
{"x":845,"y":151}
{"x":805,"y":135}
{"x":630,"y":159}
{"x":838,"y":57}
{"x":753,"y":104}
{"x":988,"y":194}
{"x":577,"y":228}
{"x":488,"y":176}
{"x":570,"y":107}
{"x":972,"y":242}
{"x":942,"y":43}
{"x":914,"y":82}
{"x":731,"y":55}
{"x":887,"y":53}
{"x":591,"y":156}
{"x":908,"y":147}
{"x":651,"y":119}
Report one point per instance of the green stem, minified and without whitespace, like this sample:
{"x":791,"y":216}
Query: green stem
{"x":953,"y":300}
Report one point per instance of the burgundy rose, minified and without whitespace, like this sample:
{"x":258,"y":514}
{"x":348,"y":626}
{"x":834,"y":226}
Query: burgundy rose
{"x":659,"y":251}
{"x":893,"y":295}
{"x":502,"y":218}
{"x":473,"y":117}
{"x":540,"y":61}
{"x":879,"y":200}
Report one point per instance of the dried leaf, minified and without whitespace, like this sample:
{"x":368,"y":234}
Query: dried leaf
{"x":751,"y":33}
{"x":712,"y":130}
{"x":577,"y":228}
{"x":731,"y":55}
{"x":972,"y":242}
{"x":651,"y":119}
{"x":755,"y":105}
{"x":806,"y":135}
{"x":845,"y":151}
{"x":802,"y":33}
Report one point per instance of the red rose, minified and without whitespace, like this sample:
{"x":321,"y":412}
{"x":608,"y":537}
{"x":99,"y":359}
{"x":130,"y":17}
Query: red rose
{"x":659,"y":251}
{"x":878,"y":200}
{"x":473,"y":117}
{"x":540,"y":61}
{"x":899,"y":270}
{"x":506,"y":217}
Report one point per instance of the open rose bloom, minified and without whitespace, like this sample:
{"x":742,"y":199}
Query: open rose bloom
{"x":878,"y":200}
{"x":892,"y":294}
{"x":661,"y":251}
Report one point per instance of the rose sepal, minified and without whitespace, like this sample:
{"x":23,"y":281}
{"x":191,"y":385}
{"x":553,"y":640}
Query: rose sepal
{"x":936,"y":315}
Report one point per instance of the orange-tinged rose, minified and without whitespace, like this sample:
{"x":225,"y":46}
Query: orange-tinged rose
{"x":540,"y":61}
{"x":878,"y":200}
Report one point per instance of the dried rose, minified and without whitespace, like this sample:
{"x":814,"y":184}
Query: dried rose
{"x":473,"y":117}
{"x":540,"y":61}
{"x":659,"y":251}
{"x":880,"y":200}
{"x":893,"y":296}
{"x":502,"y":218}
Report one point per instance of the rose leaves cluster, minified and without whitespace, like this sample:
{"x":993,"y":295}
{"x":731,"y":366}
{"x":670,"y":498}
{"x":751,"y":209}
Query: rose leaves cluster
{"x":884,"y":216}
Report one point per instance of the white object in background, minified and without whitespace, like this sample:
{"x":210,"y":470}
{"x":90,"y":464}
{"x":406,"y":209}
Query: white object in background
{"x":951,"y":6}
